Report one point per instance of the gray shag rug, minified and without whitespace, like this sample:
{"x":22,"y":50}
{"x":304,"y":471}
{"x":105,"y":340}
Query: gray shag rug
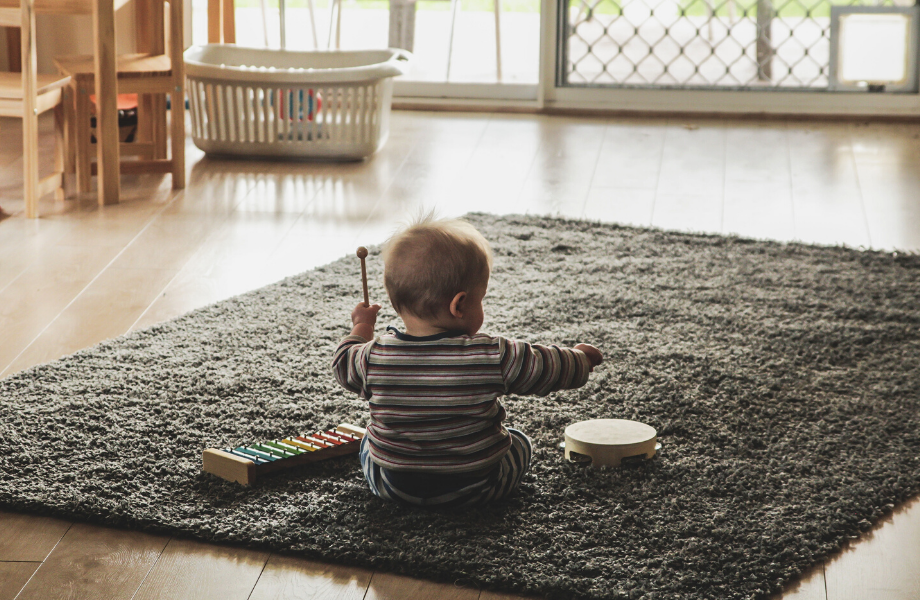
{"x":784,"y":381}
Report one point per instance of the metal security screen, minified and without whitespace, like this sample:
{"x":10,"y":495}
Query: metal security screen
{"x":703,"y":44}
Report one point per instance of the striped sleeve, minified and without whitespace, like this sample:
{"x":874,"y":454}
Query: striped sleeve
{"x":537,"y":370}
{"x":349,"y":364}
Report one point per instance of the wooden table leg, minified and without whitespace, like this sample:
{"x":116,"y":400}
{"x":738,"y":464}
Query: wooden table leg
{"x":30,"y":110}
{"x":107,"y":141}
{"x":177,"y":96}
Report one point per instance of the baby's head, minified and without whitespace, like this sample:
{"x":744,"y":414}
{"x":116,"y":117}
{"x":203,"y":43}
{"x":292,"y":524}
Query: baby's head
{"x":437,"y":271}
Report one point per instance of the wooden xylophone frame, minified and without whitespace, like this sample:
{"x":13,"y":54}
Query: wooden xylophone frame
{"x":244,"y":464}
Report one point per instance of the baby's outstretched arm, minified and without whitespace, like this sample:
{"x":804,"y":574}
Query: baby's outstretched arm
{"x":536,"y":370}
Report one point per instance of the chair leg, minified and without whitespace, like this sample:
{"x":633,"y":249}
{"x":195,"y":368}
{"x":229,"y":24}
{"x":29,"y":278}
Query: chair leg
{"x":83,"y":154}
{"x":144,"y":132}
{"x":215,"y":26}
{"x":60,"y":149}
{"x":158,"y":118}
{"x":229,"y":22}
{"x":30,"y":162}
{"x":177,"y":118}
{"x":68,"y":126}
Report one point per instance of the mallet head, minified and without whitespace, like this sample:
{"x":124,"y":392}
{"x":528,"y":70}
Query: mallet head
{"x":362,"y":252}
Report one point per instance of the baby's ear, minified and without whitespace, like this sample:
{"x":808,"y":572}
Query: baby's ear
{"x":457,"y":305}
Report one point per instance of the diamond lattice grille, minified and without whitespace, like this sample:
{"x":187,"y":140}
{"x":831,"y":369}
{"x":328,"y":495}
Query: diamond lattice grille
{"x":701,"y":43}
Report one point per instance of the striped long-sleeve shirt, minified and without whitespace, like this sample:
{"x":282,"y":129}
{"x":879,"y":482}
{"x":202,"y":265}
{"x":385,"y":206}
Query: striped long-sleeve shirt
{"x":434,"y":400}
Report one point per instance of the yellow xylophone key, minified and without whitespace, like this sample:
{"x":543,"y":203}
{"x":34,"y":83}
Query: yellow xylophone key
{"x":288,"y":447}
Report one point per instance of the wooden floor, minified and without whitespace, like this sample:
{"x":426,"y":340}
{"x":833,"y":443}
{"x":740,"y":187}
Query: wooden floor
{"x":82,"y":274}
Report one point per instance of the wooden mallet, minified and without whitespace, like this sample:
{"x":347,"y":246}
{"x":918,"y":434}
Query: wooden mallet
{"x":362,"y":254}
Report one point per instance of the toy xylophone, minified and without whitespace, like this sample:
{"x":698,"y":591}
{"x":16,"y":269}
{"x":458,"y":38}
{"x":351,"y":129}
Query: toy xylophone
{"x":244,"y":463}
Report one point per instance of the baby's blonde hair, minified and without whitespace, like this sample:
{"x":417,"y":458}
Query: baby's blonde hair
{"x":432,"y":260}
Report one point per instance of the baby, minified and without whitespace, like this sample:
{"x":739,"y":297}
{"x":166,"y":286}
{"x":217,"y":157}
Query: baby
{"x":435,"y":436}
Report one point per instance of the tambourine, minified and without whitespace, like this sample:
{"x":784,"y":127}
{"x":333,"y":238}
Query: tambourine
{"x":609,"y":442}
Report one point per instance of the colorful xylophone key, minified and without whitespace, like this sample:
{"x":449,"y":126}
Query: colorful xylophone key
{"x":244,"y":463}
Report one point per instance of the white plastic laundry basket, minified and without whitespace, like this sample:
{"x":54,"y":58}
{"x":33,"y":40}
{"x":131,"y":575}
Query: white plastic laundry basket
{"x":258,"y":102}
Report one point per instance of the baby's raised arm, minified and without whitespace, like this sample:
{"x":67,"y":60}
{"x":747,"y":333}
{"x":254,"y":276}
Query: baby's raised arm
{"x":363,"y":319}
{"x":350,"y":359}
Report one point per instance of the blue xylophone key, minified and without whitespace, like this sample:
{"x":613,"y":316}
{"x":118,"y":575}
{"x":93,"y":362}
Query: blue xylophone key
{"x":237,"y":452}
{"x":264,"y":456}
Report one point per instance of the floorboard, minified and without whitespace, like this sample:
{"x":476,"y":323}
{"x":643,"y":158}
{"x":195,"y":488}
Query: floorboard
{"x":13,"y":576}
{"x":387,"y":586}
{"x":810,"y":586}
{"x":189,"y":569}
{"x":95,"y":562}
{"x":883,"y":565}
{"x":25,"y":538}
{"x":291,"y":578}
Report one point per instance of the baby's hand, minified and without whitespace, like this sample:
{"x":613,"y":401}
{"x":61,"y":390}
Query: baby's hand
{"x":594,"y":355}
{"x":365,"y":314}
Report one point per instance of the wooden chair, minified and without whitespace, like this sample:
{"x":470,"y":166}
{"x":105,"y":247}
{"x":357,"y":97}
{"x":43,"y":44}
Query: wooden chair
{"x":26,"y":95}
{"x":148,"y":74}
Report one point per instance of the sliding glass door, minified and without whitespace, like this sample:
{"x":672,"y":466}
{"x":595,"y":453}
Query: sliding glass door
{"x":726,"y":56}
